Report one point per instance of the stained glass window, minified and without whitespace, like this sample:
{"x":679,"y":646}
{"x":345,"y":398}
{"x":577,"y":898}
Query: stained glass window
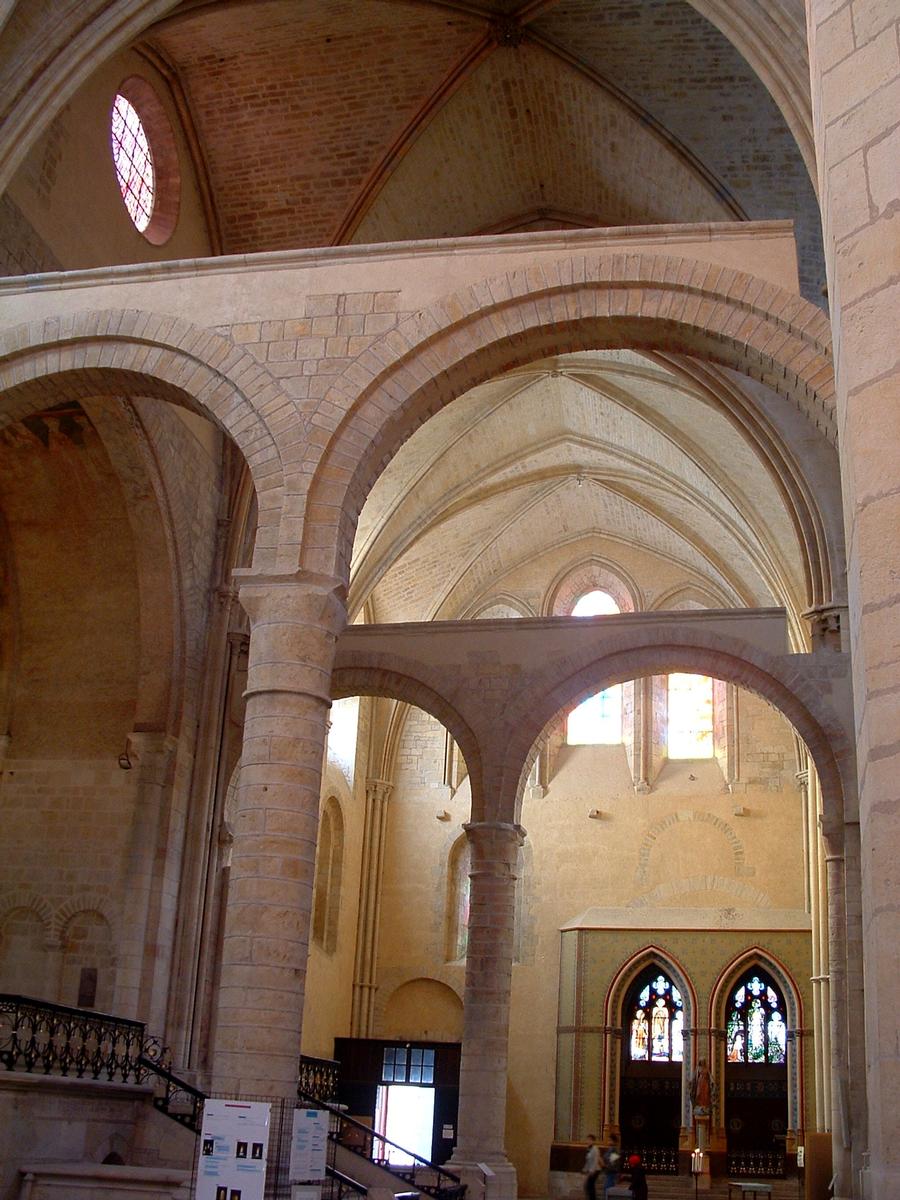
{"x":690,"y":718}
{"x":133,"y":160}
{"x":657,"y":1021}
{"x":756,"y":1029}
{"x":597,"y":721}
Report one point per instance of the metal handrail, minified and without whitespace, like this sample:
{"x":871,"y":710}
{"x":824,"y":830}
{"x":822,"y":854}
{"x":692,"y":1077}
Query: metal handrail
{"x":56,"y":1039}
{"x":178,"y":1099}
{"x":453,"y":1189}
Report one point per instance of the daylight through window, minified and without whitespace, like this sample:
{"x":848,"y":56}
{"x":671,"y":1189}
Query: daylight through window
{"x":597,"y":721}
{"x":133,"y":159}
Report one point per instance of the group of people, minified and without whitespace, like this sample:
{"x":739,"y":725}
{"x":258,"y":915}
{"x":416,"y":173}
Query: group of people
{"x":609,"y":1163}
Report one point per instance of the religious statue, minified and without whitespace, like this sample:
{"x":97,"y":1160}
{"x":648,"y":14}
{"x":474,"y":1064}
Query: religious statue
{"x":702,"y":1089}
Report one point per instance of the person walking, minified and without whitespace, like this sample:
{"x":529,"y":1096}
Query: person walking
{"x":591,"y":1168}
{"x":612,"y":1160}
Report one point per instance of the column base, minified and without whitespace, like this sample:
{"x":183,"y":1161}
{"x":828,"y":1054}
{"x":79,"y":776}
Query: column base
{"x":495,"y":1180}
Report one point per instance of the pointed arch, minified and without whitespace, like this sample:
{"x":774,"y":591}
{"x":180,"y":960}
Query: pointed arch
{"x":720,"y":995}
{"x":615,"y":1023}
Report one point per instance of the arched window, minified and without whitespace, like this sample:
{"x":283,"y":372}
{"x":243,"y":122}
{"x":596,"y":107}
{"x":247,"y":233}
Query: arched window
{"x":690,"y":716}
{"x":655,"y":1020}
{"x":458,"y":892}
{"x":597,"y":721}
{"x":756,"y":1028}
{"x":329,"y":865}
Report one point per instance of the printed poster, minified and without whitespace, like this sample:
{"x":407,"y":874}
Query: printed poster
{"x":309,"y":1144}
{"x":234,"y":1142}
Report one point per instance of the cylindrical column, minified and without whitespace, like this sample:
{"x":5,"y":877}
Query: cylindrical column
{"x":855,"y":72}
{"x":840,"y":1083}
{"x":483,"y":1068}
{"x":294,"y":624}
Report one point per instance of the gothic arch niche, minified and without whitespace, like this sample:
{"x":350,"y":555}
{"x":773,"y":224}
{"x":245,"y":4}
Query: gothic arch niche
{"x":648,"y":1058}
{"x":756,"y":1015}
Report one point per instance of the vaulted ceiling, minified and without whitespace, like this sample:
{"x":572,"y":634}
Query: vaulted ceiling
{"x":378,"y":120}
{"x":318,"y":122}
{"x":630,"y":458}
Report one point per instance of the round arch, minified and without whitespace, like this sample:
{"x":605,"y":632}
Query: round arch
{"x":587,"y":302}
{"x":614,"y":1022}
{"x":135,"y":353}
{"x":377,"y":679}
{"x":800,"y":700}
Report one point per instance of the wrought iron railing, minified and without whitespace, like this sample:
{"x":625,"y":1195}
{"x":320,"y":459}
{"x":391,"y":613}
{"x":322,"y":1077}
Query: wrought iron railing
{"x":353,"y":1135}
{"x":318,"y":1078}
{"x":657,"y":1160}
{"x":759,"y":1164}
{"x":173,"y":1096}
{"x":52,"y":1039}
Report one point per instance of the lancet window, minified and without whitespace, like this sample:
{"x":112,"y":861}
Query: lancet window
{"x":656,"y":1021}
{"x":756,"y":1028}
{"x":597,"y":721}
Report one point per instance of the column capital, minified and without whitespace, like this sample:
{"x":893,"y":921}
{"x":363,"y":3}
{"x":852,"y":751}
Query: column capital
{"x":495,"y":842}
{"x":289,"y":596}
{"x":828,"y":623}
{"x":295,"y":620}
{"x":151,"y":747}
{"x":499,"y":830}
{"x":378,"y":789}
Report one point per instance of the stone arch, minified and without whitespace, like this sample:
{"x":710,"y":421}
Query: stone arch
{"x":589,"y":575}
{"x":25,"y":941}
{"x":690,"y":595}
{"x":150,"y":355}
{"x":37,"y":904}
{"x":665,"y":894}
{"x":86,"y":902}
{"x":86,"y":942}
{"x":652,"y":835}
{"x":482,"y":609}
{"x":614,"y":1020}
{"x":718,"y":1003}
{"x":381,"y":678}
{"x":423,"y":1000}
{"x":803,"y":698}
{"x":600,"y":301}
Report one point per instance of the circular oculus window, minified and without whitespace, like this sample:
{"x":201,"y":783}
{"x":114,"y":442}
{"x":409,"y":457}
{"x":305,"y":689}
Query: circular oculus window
{"x":145,"y":159}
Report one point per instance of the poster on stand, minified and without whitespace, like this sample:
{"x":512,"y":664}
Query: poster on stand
{"x":309,"y":1144}
{"x":234,"y":1143}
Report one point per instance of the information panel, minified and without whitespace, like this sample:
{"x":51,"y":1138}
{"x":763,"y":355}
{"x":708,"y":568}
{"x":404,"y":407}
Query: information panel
{"x":233,"y":1146}
{"x":309,"y":1144}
